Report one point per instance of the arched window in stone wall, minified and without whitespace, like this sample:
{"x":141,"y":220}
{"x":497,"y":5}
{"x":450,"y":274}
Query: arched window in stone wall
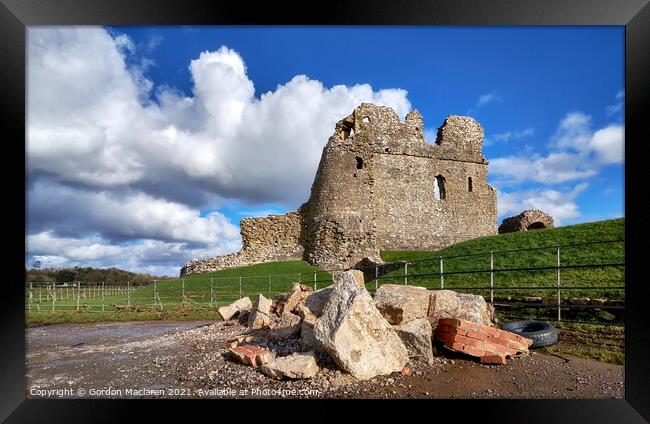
{"x":439,"y":187}
{"x":469,"y":184}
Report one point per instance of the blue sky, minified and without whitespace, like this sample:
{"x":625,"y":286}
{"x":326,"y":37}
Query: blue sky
{"x":152,"y":107}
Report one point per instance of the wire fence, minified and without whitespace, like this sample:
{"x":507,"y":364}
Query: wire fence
{"x":576,"y":279}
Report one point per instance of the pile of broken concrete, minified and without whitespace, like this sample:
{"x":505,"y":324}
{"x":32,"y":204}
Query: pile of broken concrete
{"x":343,"y":326}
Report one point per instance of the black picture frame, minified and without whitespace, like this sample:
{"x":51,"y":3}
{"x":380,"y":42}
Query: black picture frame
{"x":15,"y":15}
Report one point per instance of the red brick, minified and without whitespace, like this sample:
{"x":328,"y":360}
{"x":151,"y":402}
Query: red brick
{"x":493,"y":359}
{"x":448,"y":321}
{"x":468,"y":325}
{"x":476,"y":335}
{"x":479,"y":344}
{"x":251,"y":355}
{"x":443,"y":328}
{"x":491,"y":331}
{"x":460,"y":339}
{"x":443,"y":336}
{"x":497,"y":340}
{"x":456,"y":346}
{"x":510,"y":336}
{"x":461,"y":331}
{"x":470,"y":350}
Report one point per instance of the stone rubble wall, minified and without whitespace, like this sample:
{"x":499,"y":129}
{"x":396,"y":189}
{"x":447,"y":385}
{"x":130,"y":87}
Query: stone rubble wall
{"x":268,"y":239}
{"x":522,"y":221}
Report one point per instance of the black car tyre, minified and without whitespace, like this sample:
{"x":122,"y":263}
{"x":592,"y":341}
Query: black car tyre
{"x":541,"y":333}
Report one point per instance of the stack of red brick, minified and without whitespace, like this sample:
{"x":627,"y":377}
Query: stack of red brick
{"x":490,"y":344}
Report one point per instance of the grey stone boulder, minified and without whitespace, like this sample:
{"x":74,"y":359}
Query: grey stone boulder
{"x":470,"y":307}
{"x":295,"y":366}
{"x":242,"y":305}
{"x":307,"y":339}
{"x":355,"y":274}
{"x":400,"y":304}
{"x":316,"y":301}
{"x":356,"y":336}
{"x":260,"y":316}
{"x":416,"y":336}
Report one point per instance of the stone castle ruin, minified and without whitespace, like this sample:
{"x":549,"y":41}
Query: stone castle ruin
{"x":532,"y":219}
{"x":379,"y":186}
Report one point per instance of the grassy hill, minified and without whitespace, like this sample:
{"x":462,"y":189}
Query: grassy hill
{"x":543,"y":253}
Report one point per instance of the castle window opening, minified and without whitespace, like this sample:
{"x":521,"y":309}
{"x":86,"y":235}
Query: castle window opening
{"x":359,"y":162}
{"x":469,"y":183}
{"x":439,"y":188}
{"x":365,"y":119}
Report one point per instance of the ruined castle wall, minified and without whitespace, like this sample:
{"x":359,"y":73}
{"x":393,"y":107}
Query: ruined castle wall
{"x":272,"y":238}
{"x":340,"y":226}
{"x":412,"y":218}
{"x":274,"y":232}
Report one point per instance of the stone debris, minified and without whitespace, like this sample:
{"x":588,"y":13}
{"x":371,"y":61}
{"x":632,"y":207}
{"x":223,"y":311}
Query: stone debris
{"x":356,"y":335}
{"x":343,"y":327}
{"x":252,"y":355}
{"x":286,"y":326}
{"x":481,"y":341}
{"x":239,"y":339}
{"x":287,"y":303}
{"x":242,"y":305}
{"x":468,"y":307}
{"x":295,"y":366}
{"x":416,"y":336}
{"x":400,"y":304}
{"x":260,"y":316}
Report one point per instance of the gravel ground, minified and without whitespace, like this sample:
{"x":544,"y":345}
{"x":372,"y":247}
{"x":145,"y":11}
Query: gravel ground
{"x":189,"y":359}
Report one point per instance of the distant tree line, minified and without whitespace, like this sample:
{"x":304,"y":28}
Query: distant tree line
{"x":110,"y":276}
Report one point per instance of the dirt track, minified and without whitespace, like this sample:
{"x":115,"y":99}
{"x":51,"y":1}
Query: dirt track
{"x":188,"y":359}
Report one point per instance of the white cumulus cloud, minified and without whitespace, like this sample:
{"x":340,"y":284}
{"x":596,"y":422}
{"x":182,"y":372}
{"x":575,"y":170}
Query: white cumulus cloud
{"x":110,"y":154}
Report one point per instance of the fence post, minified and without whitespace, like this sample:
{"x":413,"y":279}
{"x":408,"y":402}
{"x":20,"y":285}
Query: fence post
{"x":442,"y":276}
{"x":53,"y":295}
{"x":31,"y":295}
{"x":376,"y":276}
{"x":491,"y":277}
{"x":240,"y":286}
{"x":102,"y":296}
{"x":315,"y":284}
{"x":128,"y":293}
{"x":406,"y":273}
{"x":78,"y":294}
{"x":211,"y":292}
{"x":40,"y":295}
{"x":559,"y":309}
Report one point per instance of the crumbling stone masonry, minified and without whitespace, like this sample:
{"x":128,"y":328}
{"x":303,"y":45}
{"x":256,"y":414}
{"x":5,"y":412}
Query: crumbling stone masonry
{"x":527,"y":220}
{"x":379,"y":186}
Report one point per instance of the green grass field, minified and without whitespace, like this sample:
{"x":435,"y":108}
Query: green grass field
{"x":536,"y":282}
{"x":204,"y":291}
